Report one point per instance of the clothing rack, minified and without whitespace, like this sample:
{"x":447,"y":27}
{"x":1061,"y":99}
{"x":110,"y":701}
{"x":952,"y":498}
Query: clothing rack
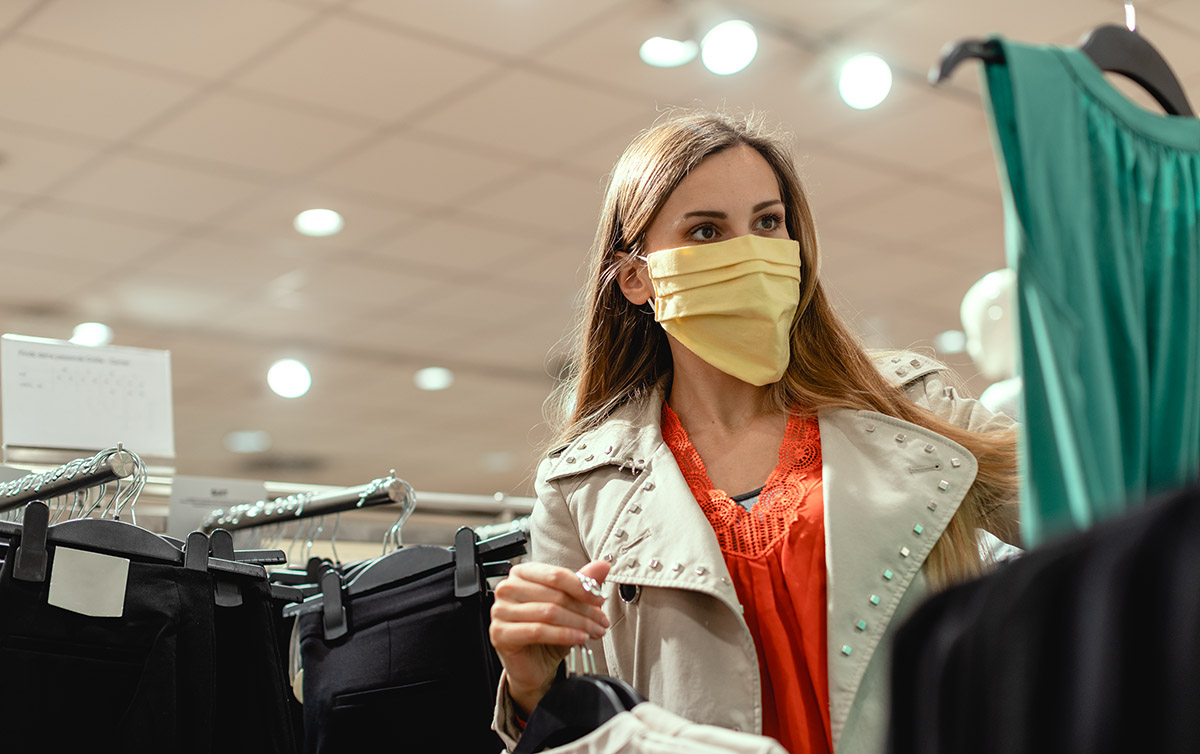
{"x":383,"y":491}
{"x":110,"y":465}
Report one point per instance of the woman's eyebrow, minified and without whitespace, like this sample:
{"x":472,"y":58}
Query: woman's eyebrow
{"x":768,"y":203}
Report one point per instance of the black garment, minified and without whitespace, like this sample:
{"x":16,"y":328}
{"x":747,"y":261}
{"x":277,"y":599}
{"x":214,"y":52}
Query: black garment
{"x":1088,"y":645}
{"x":252,"y":697}
{"x":415,"y":669}
{"x":142,"y":682}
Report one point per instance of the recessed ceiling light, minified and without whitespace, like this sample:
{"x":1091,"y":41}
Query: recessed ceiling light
{"x":661,"y":52}
{"x":433,"y":378}
{"x":92,"y":334}
{"x":865,"y":81}
{"x":248,"y":441}
{"x":289,"y":378}
{"x":950,"y":342}
{"x":728,"y":47}
{"x":319,"y":222}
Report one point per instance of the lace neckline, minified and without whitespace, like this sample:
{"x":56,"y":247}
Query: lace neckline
{"x":784,"y":497}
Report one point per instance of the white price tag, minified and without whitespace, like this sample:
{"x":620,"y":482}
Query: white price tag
{"x":88,"y":583}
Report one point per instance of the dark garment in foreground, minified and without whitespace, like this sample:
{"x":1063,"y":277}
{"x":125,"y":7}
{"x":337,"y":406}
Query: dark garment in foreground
{"x":140,"y":682}
{"x":1088,"y":645}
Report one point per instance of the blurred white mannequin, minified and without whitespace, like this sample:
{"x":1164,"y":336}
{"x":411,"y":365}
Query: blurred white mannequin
{"x":988,"y":316}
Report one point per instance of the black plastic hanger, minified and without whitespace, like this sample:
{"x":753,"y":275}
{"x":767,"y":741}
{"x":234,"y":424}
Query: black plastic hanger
{"x":98,"y":535}
{"x":1114,"y":49}
{"x":575,"y":706}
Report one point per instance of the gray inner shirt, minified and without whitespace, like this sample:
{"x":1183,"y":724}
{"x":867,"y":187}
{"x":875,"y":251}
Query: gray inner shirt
{"x":747,"y":499}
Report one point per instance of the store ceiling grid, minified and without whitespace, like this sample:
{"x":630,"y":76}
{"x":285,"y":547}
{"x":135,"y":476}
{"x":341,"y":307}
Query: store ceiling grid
{"x":154,"y":154}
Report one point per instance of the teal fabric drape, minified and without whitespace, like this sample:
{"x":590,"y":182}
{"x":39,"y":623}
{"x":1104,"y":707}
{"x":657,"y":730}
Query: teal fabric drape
{"x":1102,"y":201}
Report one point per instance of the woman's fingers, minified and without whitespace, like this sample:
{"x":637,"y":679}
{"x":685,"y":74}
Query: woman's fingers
{"x":549,"y":614}
{"x":558,"y":578}
{"x":516,"y":590}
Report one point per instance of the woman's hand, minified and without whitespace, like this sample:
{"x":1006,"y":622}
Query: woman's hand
{"x":540,"y":612}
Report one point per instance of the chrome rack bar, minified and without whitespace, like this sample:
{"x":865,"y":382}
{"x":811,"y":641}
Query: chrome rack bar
{"x":382,"y":491}
{"x":102,"y":468}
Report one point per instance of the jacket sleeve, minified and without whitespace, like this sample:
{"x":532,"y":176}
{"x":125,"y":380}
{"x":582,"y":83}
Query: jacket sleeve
{"x":553,"y":539}
{"x":932,"y":392}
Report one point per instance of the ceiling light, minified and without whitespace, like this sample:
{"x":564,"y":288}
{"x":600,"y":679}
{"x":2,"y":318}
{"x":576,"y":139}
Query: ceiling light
{"x":661,"y":52}
{"x":499,"y":461}
{"x":247,"y":441}
{"x":728,"y":47}
{"x":92,"y":334}
{"x":950,"y":342}
{"x":319,"y":222}
{"x":865,"y":81}
{"x":433,"y":378}
{"x":289,"y":378}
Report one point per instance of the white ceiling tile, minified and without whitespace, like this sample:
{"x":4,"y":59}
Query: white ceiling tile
{"x":506,"y":27}
{"x":607,"y":53}
{"x":203,"y":39}
{"x":795,"y":89}
{"x":206,"y":263}
{"x":532,"y":114}
{"x":977,"y":171}
{"x":367,"y":71}
{"x":43,"y":88}
{"x":831,"y":178}
{"x":14,"y":11}
{"x":596,"y":157}
{"x":921,"y":133}
{"x":30,"y":163}
{"x":234,"y":129}
{"x":272,"y":217}
{"x":913,"y":215}
{"x":78,"y":238}
{"x":457,"y":246}
{"x":153,"y":187}
{"x":812,"y":18}
{"x":415,"y":169}
{"x":554,"y":271}
{"x":1185,"y":14}
{"x":152,"y":298}
{"x":40,"y":281}
{"x":554,"y":201}
{"x":913,"y":35}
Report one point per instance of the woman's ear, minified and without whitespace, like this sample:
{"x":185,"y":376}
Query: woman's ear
{"x":634,"y":280}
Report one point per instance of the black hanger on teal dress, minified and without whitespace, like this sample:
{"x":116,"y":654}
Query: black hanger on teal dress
{"x":1113,"y":49}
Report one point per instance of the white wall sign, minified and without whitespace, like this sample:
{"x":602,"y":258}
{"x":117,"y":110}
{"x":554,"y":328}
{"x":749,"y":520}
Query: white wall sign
{"x":194,"y":497}
{"x":57,"y":394}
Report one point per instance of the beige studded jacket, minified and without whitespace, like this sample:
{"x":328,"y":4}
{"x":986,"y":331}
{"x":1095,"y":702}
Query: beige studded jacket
{"x":890,"y":488}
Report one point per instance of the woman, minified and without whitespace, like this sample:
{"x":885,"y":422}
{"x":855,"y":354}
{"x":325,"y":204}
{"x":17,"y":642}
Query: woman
{"x":761,"y":499}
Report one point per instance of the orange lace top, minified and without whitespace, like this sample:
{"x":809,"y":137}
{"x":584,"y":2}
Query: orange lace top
{"x":775,"y":553}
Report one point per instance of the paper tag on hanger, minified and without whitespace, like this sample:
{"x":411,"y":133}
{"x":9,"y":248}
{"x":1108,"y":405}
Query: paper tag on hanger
{"x":88,"y":583}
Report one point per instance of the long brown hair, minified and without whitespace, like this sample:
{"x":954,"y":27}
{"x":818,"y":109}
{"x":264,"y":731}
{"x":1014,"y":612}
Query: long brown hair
{"x":621,"y":354}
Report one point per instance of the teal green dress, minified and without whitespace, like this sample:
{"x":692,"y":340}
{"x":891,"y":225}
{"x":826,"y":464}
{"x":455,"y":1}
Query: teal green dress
{"x":1102,"y":202}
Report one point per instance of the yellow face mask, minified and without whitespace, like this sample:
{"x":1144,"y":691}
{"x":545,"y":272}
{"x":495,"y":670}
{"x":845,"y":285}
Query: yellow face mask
{"x":731,"y":303}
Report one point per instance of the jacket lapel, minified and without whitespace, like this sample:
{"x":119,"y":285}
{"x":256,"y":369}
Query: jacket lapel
{"x":890,"y":489}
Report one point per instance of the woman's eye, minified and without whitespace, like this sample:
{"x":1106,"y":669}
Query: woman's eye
{"x":704,"y":233}
{"x":770,"y":222}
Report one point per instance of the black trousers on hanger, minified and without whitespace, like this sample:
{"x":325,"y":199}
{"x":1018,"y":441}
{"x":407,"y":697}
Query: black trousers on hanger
{"x":252,"y":696}
{"x":416,"y":671}
{"x":1088,"y":645}
{"x":140,"y":682}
